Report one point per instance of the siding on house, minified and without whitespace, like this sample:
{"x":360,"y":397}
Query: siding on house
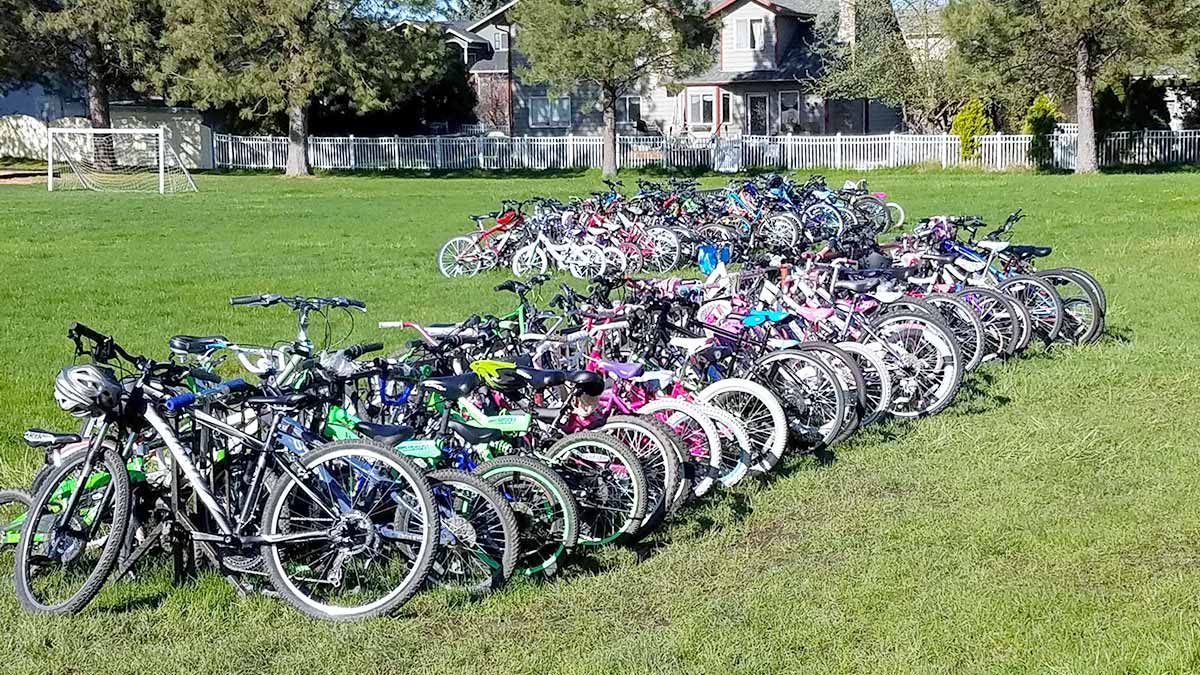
{"x":742,"y":60}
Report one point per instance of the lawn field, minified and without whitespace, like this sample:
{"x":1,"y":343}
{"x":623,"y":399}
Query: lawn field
{"x":1048,"y":522}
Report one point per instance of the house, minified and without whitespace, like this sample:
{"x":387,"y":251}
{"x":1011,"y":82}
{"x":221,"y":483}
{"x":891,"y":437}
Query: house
{"x":761,"y":81}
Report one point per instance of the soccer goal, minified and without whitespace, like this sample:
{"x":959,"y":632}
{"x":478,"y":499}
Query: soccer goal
{"x":114,"y":160}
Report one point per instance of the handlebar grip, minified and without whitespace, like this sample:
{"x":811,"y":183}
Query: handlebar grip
{"x":180,"y":401}
{"x":510,"y":286}
{"x":355,"y":351}
{"x":244,"y":299}
{"x":356,"y":303}
{"x":84,"y":331}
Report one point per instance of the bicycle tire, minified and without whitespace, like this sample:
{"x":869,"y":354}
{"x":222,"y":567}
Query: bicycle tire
{"x":35,"y":525}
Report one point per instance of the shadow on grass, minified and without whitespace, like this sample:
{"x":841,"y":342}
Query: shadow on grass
{"x":1120,"y":335}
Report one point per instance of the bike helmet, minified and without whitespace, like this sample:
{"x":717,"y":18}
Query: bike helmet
{"x":85,"y":390}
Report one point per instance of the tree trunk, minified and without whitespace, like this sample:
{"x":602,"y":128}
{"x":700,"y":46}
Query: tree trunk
{"x":608,"y":167}
{"x":1085,"y":112}
{"x":99,"y":113}
{"x":297,"y":156}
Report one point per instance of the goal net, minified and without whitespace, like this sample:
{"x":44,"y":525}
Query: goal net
{"x":114,"y":160}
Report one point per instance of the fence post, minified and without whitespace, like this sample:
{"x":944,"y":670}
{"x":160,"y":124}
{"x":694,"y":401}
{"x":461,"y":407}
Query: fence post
{"x":162,"y":161}
{"x":570,"y":151}
{"x":947,"y":141}
{"x":479,"y":148}
{"x":438,"y":158}
{"x":892,"y":149}
{"x":837,"y":150}
{"x":49,"y":159}
{"x":353,"y":154}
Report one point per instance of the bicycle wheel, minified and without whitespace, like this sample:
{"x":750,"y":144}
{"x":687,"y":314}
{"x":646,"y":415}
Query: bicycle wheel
{"x":923,"y":359}
{"x":781,"y":230}
{"x":478,"y":544}
{"x":736,"y":449}
{"x":354,"y":536}
{"x":1042,"y":301}
{"x":65,"y":553}
{"x":633,"y":255}
{"x":1022,"y":320}
{"x":654,"y":444}
{"x":1083,"y":312}
{"x":814,"y":397}
{"x":851,"y":378}
{"x":896,"y":214}
{"x":615,"y":259}
{"x":822,"y":221}
{"x":665,"y":250}
{"x":529,"y":261}
{"x":966,"y":326}
{"x":874,"y":212}
{"x":877,"y":381}
{"x":546,"y":511}
{"x":1001,"y":327}
{"x":700,"y":442}
{"x":459,"y":256}
{"x":1091,"y":282}
{"x":586,"y":262}
{"x":608,"y":483}
{"x":14,"y":506}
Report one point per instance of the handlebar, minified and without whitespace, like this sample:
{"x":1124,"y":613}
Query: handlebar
{"x":355,"y":351}
{"x":188,"y":399}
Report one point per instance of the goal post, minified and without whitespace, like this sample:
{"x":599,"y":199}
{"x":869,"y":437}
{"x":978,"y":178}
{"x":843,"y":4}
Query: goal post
{"x":114,"y":160}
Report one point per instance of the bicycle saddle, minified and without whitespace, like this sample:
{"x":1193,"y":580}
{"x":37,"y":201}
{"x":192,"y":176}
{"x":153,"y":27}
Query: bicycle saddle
{"x":455,"y":386}
{"x":857,"y":285}
{"x":994,"y":246}
{"x":541,"y":379}
{"x":1025,"y":251}
{"x":40,"y":438}
{"x":621,"y":371}
{"x":192,"y":344}
{"x":388,"y":434}
{"x":474,"y":435}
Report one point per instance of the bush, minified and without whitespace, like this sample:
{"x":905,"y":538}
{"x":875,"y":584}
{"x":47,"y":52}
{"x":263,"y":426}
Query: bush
{"x":971,"y":122}
{"x":1040,"y":121}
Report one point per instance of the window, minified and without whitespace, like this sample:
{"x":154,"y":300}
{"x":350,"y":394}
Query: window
{"x":748,"y":34}
{"x":629,"y":110}
{"x":549,"y":112}
{"x":789,"y":111}
{"x":499,"y":40}
{"x":700,"y":109}
{"x":726,"y":107}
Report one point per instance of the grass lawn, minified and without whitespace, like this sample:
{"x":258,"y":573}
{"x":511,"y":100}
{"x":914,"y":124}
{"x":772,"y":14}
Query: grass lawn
{"x":1048,"y":522}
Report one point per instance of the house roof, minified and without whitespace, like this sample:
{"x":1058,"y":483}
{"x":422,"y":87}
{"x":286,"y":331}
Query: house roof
{"x":498,"y":11}
{"x":461,"y":30}
{"x":814,"y":8}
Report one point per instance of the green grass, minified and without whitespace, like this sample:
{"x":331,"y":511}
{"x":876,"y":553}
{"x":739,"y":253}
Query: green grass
{"x":1048,"y":522}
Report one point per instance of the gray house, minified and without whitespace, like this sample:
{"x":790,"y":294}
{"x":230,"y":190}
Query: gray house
{"x":760,"y":83}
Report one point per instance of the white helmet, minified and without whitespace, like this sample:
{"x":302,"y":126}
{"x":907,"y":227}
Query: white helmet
{"x":86,"y":390}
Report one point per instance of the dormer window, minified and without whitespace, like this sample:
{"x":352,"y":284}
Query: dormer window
{"x":749,"y":34}
{"x":499,"y":40}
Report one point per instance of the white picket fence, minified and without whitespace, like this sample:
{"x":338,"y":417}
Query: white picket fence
{"x":737,"y":153}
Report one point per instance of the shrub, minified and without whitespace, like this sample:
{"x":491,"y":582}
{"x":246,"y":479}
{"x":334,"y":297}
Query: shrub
{"x":1040,"y":121}
{"x":971,"y":122}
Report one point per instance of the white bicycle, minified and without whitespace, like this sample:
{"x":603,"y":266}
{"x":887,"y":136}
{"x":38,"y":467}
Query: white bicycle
{"x":585,"y":261}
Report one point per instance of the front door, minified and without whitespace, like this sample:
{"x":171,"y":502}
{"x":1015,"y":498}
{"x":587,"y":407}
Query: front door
{"x":757,"y":105}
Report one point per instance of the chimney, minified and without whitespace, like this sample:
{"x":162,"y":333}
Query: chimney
{"x":847,"y":19}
